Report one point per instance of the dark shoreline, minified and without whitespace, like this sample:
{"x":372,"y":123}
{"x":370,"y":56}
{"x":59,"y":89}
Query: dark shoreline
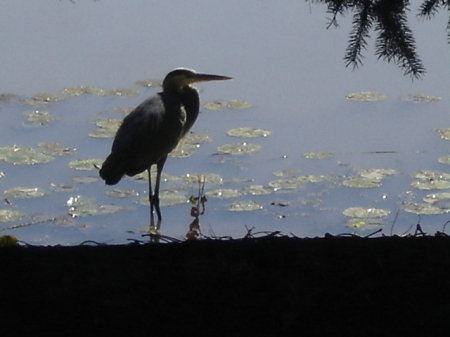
{"x":267,"y":286}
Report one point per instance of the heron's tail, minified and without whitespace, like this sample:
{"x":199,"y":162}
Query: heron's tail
{"x":112,"y":170}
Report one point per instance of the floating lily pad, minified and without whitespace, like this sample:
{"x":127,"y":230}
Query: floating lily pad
{"x":425,"y":209}
{"x":149,"y":83}
{"x":84,"y":180}
{"x":25,"y":193}
{"x":167,"y":198}
{"x":210,"y":178}
{"x":258,"y":190}
{"x":77,"y":91}
{"x":27,"y":156}
{"x":422,"y":98}
{"x":164,"y":176}
{"x":86,"y":164}
{"x":183,"y":150}
{"x":365,"y":212}
{"x":80,"y":206}
{"x":431,"y":184}
{"x":432,"y":198}
{"x":239,"y":148}
{"x":88,"y":210}
{"x":123,"y":110}
{"x":377,"y":173}
{"x":55,"y":149}
{"x":39,"y":117}
{"x":107,"y":127}
{"x":364,"y":224}
{"x":444,"y":133}
{"x":121,"y":193}
{"x":6,"y":151}
{"x":248,"y":132}
{"x":317,"y":155}
{"x":103,"y":133}
{"x":108,"y":123}
{"x":223,"y":105}
{"x":286,"y":184}
{"x":295,"y":183}
{"x":224,"y":193}
{"x":197,"y":138}
{"x":431,"y":175}
{"x":62,"y":188}
{"x":7,"y":215}
{"x":366,"y":96}
{"x":241,"y":206}
{"x":285,"y":173}
{"x":444,"y":160}
{"x":33,"y":103}
{"x":362,"y":183}
{"x":121,"y":92}
{"x":48,"y":98}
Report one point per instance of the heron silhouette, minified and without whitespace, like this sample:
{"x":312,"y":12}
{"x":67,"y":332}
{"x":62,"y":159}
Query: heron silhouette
{"x":153,"y":129}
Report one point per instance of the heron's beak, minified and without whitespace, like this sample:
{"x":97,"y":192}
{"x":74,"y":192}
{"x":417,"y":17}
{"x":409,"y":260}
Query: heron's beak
{"x":208,"y":77}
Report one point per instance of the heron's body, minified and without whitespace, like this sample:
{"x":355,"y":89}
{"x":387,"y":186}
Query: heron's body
{"x":158,"y":124}
{"x":154,"y":128}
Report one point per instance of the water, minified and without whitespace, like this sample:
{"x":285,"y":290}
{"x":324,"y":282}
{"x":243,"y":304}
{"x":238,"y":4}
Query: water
{"x":283,"y":60}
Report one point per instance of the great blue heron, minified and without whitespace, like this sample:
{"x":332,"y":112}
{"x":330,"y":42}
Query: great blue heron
{"x":153,"y":129}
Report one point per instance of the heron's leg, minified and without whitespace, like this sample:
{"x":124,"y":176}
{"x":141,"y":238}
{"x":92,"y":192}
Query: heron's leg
{"x":150,"y":195}
{"x":159,"y":168}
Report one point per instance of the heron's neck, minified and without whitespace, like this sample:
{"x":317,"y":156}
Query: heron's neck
{"x":190,"y":99}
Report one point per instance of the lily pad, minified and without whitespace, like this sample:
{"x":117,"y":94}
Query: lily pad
{"x":121,"y":193}
{"x":224,"y":193}
{"x":123,"y":110}
{"x":167,"y":198}
{"x":86,"y":164}
{"x":55,"y":149}
{"x":103,"y":133}
{"x":433,"y":184}
{"x":108,"y":123}
{"x":317,"y":155}
{"x":366,"y":96}
{"x":248,"y":132}
{"x":377,"y":173}
{"x":362,"y":183}
{"x":365,"y":212}
{"x":425,"y":209}
{"x":444,"y":133}
{"x":258,"y":190}
{"x":444,"y":160}
{"x":224,"y":105}
{"x":39,"y":117}
{"x":62,"y":188}
{"x":149,"y":83}
{"x":431,"y":175}
{"x":422,"y":98}
{"x":27,"y":156}
{"x":364,"y":224}
{"x":48,"y":98}
{"x":25,"y":193}
{"x":84,"y":180}
{"x":7,"y":215}
{"x":80,"y":90}
{"x":432,"y":198}
{"x":239,"y":148}
{"x":121,"y":92}
{"x":242,"y":206}
{"x":210,"y":178}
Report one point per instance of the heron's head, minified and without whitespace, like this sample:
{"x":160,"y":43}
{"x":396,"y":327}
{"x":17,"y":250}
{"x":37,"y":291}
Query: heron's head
{"x":181,"y":77}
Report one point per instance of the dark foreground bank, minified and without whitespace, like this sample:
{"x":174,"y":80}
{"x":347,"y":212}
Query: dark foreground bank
{"x":270,"y":286}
